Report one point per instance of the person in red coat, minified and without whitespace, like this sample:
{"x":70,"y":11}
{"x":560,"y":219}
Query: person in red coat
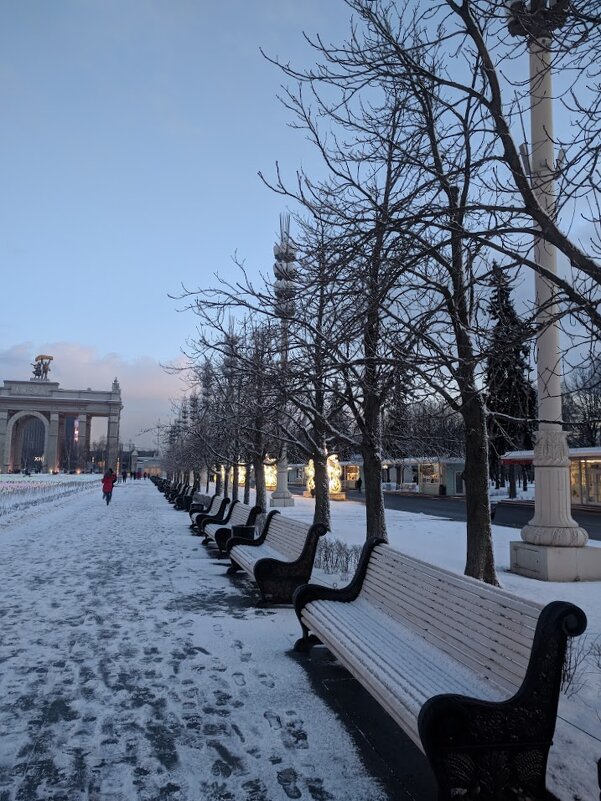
{"x":108,"y":482}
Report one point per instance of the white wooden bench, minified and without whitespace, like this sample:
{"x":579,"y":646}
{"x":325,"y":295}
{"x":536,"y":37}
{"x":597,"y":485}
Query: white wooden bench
{"x":183,"y":500}
{"x":200,"y":502}
{"x":472,"y":673}
{"x":239,"y":514}
{"x":215,"y":513}
{"x":280,"y":559}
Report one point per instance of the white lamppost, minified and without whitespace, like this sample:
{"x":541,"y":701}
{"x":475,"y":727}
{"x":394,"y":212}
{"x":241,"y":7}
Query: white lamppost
{"x":285,"y":272}
{"x":233,"y":404}
{"x":552,"y":546}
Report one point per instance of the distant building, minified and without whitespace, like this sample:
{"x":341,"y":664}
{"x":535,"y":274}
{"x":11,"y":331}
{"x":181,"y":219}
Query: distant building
{"x":430,"y":475}
{"x":585,"y":472}
{"x":148,"y":462}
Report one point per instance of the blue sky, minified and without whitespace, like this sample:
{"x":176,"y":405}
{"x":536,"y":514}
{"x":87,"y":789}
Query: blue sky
{"x":132,"y":135}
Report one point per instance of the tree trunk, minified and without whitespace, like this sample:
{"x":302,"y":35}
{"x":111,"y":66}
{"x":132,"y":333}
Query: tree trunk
{"x":226,"y":483}
{"x":247,"y":465}
{"x":480,"y":562}
{"x":525,"y":478}
{"x":261,"y":499}
{"x":235,"y":480}
{"x":218,"y":480}
{"x":512,"y":483}
{"x":322,"y":490}
{"x":374,"y":497}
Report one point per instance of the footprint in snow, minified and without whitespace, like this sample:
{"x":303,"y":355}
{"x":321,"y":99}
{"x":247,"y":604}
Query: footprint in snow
{"x":239,"y":679}
{"x":287,"y":778}
{"x":273,"y":720}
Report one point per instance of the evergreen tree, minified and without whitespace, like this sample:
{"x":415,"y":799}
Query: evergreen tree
{"x":395,"y":433}
{"x":511,"y":396}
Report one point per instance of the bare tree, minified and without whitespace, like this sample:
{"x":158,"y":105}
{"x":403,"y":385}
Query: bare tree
{"x":399,"y":187}
{"x":582,"y":405}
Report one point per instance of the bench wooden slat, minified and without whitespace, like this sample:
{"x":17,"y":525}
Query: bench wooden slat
{"x":403,"y":683}
{"x":213,"y":509}
{"x":455,"y":624}
{"x":239,"y":516}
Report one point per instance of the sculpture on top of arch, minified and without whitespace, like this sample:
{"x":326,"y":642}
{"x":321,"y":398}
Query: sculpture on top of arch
{"x":41,"y":366}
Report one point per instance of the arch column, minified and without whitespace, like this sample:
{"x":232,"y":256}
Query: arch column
{"x":82,"y":441}
{"x":112,"y":440}
{"x":17,"y":454}
{"x":4,"y":443}
{"x":51,"y":449}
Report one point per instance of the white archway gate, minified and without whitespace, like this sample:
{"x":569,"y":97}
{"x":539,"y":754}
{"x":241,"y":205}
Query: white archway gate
{"x":14,"y":435}
{"x":50,"y":404}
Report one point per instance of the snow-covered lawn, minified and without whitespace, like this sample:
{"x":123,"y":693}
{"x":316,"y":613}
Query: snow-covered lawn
{"x":131,"y":668}
{"x":19,"y":492}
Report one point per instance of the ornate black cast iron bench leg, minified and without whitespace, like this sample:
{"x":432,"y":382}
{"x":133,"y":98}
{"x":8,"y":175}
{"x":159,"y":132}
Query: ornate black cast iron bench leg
{"x":277,"y":580}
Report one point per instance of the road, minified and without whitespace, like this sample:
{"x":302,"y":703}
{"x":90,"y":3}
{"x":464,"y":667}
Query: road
{"x":514,"y":514}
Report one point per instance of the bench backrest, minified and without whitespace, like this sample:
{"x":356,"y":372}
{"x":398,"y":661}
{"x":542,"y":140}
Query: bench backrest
{"x":199,"y":498}
{"x":239,"y":515}
{"x":215,"y":504}
{"x":483,"y":627}
{"x":286,"y":535}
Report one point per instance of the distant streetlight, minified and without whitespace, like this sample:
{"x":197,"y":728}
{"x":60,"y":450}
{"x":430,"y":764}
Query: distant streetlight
{"x":552,"y":526}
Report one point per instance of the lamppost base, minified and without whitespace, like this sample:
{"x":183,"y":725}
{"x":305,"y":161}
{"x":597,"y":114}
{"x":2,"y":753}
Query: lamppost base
{"x":553,"y":563}
{"x":546,"y":534}
{"x":552,"y":524}
{"x":281,"y":499}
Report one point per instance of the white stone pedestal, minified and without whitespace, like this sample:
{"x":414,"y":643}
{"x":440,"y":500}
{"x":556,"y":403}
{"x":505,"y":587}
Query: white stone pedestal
{"x":552,"y":563}
{"x":281,"y":495}
{"x":278,"y":499}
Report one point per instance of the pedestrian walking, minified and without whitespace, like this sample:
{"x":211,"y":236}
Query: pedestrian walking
{"x":124,"y":476}
{"x":108,"y":482}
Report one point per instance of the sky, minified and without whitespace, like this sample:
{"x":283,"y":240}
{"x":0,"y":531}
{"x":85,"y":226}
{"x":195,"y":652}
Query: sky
{"x":131,"y":139}
{"x":132,"y":135}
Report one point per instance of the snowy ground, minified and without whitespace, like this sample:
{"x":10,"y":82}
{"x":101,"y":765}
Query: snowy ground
{"x":131,"y":668}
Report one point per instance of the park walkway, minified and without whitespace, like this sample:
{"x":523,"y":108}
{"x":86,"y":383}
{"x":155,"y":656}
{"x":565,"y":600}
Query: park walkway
{"x":131,"y":668}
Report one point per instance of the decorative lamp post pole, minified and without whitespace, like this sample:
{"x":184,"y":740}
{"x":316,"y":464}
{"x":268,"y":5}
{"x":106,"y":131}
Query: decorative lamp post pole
{"x":285,"y":272}
{"x":552,"y":542}
{"x":206,"y":394}
{"x":229,"y":371}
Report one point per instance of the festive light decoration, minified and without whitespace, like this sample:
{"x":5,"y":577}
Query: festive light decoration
{"x":334,"y":474}
{"x":271,"y":476}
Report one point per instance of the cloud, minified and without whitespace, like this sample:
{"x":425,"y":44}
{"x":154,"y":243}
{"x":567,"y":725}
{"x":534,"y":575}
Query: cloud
{"x":147,"y":390}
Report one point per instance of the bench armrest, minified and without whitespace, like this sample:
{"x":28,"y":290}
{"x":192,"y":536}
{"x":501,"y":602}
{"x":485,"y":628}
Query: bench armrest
{"x":316,"y":592}
{"x":219,"y":517}
{"x":233,"y":541}
{"x":278,"y":579}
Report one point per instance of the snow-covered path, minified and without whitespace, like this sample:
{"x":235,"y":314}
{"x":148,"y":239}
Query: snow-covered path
{"x":131,"y":668}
